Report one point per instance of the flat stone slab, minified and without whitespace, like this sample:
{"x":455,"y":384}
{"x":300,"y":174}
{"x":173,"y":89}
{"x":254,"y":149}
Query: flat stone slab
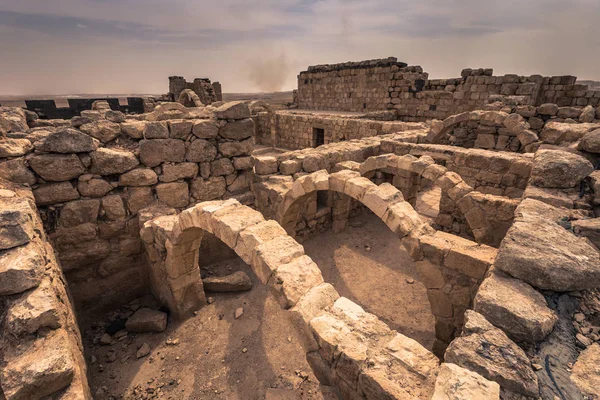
{"x":147,"y":320}
{"x":236,"y":282}
{"x":516,"y":307}
{"x":543,"y":253}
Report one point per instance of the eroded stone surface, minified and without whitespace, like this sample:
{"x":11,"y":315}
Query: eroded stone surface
{"x":586,"y":371}
{"x":541,"y":252}
{"x":456,"y":383}
{"x":559,"y":169}
{"x":46,"y":367}
{"x":516,"y":307}
{"x":487,"y":350}
{"x":21,"y":269}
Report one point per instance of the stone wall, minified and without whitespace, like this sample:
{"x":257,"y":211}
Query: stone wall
{"x":515,"y":128}
{"x":92,"y":180}
{"x":41,"y":353}
{"x":297,"y":130}
{"x":389,"y":84}
{"x":488,"y":172}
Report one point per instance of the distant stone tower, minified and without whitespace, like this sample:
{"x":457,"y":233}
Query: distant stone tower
{"x":207,"y":92}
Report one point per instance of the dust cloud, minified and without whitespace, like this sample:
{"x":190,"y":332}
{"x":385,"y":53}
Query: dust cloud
{"x":270,"y":73}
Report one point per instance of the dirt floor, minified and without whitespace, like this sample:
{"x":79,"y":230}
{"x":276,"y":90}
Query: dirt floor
{"x":367,"y":264}
{"x":209,"y":356}
{"x":215,"y":356}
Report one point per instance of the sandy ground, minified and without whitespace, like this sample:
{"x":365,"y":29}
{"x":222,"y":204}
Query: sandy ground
{"x":367,"y":264}
{"x":216,"y":355}
{"x":259,"y":356}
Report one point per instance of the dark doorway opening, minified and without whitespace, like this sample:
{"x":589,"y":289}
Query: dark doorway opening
{"x":318,"y":136}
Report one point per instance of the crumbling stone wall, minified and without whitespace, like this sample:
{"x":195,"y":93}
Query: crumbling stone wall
{"x":91,"y":181}
{"x":515,"y":128}
{"x":207,"y":92}
{"x":41,"y":353}
{"x":498,"y":173}
{"x":392,"y":85}
{"x":543,"y":252}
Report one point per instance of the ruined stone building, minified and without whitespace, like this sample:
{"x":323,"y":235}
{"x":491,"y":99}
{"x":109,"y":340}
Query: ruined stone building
{"x":207,"y":92}
{"x":487,"y":187}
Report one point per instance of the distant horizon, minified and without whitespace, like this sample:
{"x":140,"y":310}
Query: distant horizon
{"x":256,"y":46}
{"x":123,"y":94}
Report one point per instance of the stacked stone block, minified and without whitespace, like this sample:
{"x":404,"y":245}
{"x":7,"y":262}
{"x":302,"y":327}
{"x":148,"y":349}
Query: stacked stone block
{"x":40,"y":347}
{"x":388,"y":84}
{"x":295,"y":129}
{"x":90,"y":182}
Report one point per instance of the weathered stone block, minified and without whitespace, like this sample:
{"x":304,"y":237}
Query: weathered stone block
{"x":205,"y":129}
{"x":103,"y":130}
{"x":66,"y":141}
{"x":21,"y":268}
{"x":237,"y":130}
{"x":138,"y":177}
{"x":45,"y":368}
{"x":35,"y":309}
{"x":147,"y":320}
{"x":516,"y":307}
{"x":79,"y":212}
{"x":233,"y":110}
{"x":200,"y":150}
{"x":274,"y":253}
{"x":454,"y":382}
{"x":208,"y":189}
{"x":293,"y":280}
{"x":156,"y":151}
{"x":502,"y":361}
{"x":174,"y":194}
{"x":112,"y":161}
{"x":55,"y":193}
{"x":57,"y":167}
{"x":16,"y":223}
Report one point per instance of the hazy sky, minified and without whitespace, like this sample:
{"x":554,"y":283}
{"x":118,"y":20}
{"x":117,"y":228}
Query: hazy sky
{"x":132,"y":46}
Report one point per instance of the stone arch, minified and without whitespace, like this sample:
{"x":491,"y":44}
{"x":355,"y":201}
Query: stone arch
{"x":168,"y":110}
{"x":189,"y":98}
{"x":486,"y":216}
{"x":514,"y":124}
{"x":384,"y":200}
{"x":254,"y":105}
{"x":450,"y":280}
{"x":173,"y":242}
{"x":315,"y":307}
